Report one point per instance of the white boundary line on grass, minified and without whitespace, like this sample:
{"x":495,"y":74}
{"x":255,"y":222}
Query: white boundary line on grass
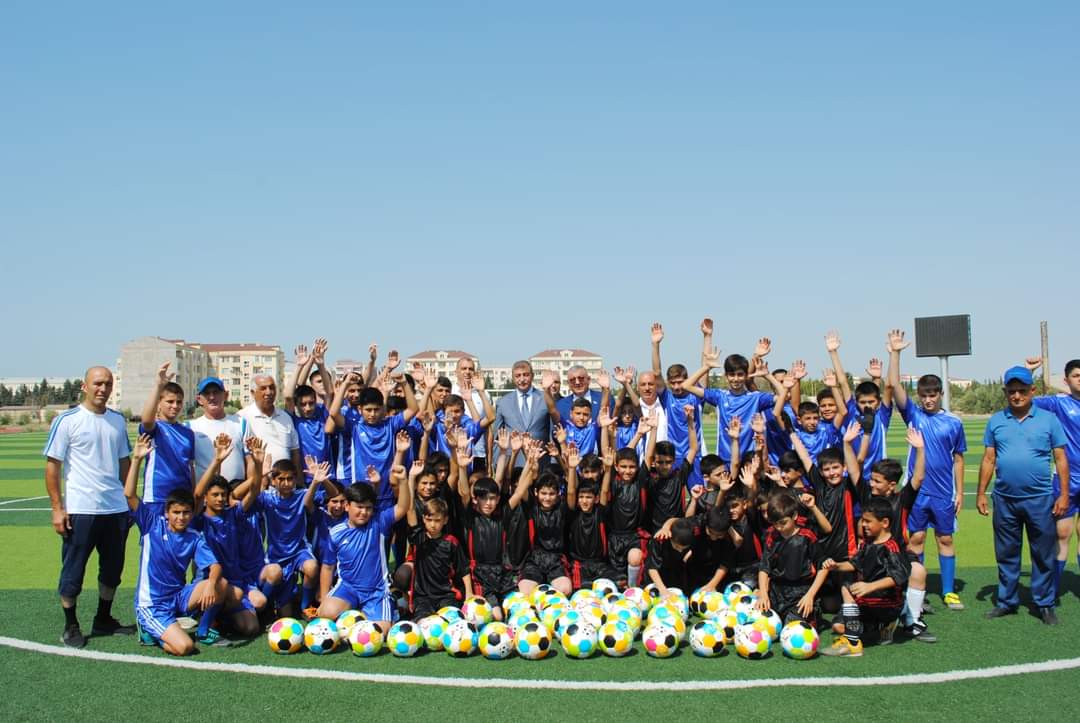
{"x":949,"y":676}
{"x":23,"y":499}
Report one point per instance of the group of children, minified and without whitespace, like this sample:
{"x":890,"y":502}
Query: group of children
{"x":398,"y":511}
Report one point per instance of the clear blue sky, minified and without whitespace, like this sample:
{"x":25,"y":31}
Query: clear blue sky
{"x":505,"y":179}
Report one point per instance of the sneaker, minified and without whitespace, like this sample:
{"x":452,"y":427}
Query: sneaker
{"x":952,"y":601}
{"x":310,"y":613}
{"x":999,"y":612}
{"x":111,"y":626}
{"x":1047,"y":616}
{"x":917,"y":631}
{"x":842,"y":647}
{"x":188,"y":624}
{"x":146,"y":639}
{"x":214,"y":639}
{"x":73,"y":637}
{"x":886,"y":633}
{"x":927,"y":608}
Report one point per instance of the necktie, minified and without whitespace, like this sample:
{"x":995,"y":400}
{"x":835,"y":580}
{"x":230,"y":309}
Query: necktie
{"x":525,"y":406}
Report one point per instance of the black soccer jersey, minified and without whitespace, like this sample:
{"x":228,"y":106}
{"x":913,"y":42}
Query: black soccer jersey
{"x":587,"y":534}
{"x":669,"y":562}
{"x":547,"y":528}
{"x":837,"y":503}
{"x":901,"y":503}
{"x":876,"y":561}
{"x":628,"y":504}
{"x":708,"y":554}
{"x":485,"y":537}
{"x":749,"y":552}
{"x":438,"y":565}
{"x":791,"y":560}
{"x":666,"y":497}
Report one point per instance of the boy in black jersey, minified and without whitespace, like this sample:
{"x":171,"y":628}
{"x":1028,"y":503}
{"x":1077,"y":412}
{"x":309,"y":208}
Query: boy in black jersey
{"x":626,"y":541}
{"x":790,"y":573}
{"x":718,"y":482}
{"x":547,"y":515}
{"x":423,"y":481}
{"x":746,"y":524}
{"x":440,"y":567}
{"x":667,"y":563}
{"x":666,"y":486}
{"x":712,"y":553}
{"x":877,"y":596}
{"x":587,"y":529}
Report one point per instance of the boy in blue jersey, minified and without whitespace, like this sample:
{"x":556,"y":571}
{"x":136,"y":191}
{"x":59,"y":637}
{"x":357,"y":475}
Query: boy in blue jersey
{"x":356,"y":549}
{"x":349,"y":388}
{"x":942,"y":493}
{"x":452,"y":417}
{"x":1066,"y":407}
{"x":311,"y":421}
{"x":870,"y":405}
{"x":674,"y":396}
{"x":169,"y":546}
{"x":171,"y":464}
{"x":815,"y":434}
{"x":581,"y":430}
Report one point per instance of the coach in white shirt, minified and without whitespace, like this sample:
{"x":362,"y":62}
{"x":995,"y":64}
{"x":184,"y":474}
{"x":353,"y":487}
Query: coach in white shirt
{"x":88,"y":451}
{"x":211,"y":395}
{"x":466,"y":370}
{"x":272,"y":425}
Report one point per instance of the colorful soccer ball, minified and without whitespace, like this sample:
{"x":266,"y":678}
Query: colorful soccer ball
{"x":286,"y":636}
{"x":450,"y":613}
{"x":669,"y":615}
{"x":615,"y":639}
{"x":579,"y":640}
{"x":539,"y":592}
{"x":477,"y":610}
{"x":584,"y":596}
{"x":695,"y":601}
{"x":602,"y":586}
{"x":550,"y":617}
{"x":321,"y":636}
{"x":593,"y":615}
{"x":727,"y":621}
{"x":432,"y":628}
{"x":512,"y":599}
{"x":735,"y":589}
{"x":744,"y":607}
{"x":346,"y":620}
{"x":365,"y":639}
{"x":460,"y":639}
{"x":679,"y":602}
{"x":751,"y":643}
{"x":706,"y":640}
{"x":568,"y":618}
{"x":627,"y":613}
{"x":522,"y":606}
{"x":652,"y":594}
{"x":611,"y":599}
{"x":660,"y":640}
{"x":496,"y":642}
{"x":553,"y":598}
{"x":521,"y":620}
{"x":637,"y":596}
{"x":799,"y":640}
{"x":532,"y":641}
{"x":404,"y":639}
{"x":712,"y":603}
{"x":770,"y":622}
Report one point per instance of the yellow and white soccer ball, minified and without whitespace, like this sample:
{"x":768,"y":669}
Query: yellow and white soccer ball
{"x":553,"y":598}
{"x":583,"y":596}
{"x":579,"y":640}
{"x":706,"y":640}
{"x":550,"y":616}
{"x":712,"y":604}
{"x":569,"y":617}
{"x":627,"y":613}
{"x":751,"y":642}
{"x":652,"y":594}
{"x":321,"y":636}
{"x":799,"y":640}
{"x":602,"y":586}
{"x":745,"y":606}
{"x":450,"y":614}
{"x":539,"y":592}
{"x":727,"y":621}
{"x":593,"y":615}
{"x":637,"y":596}
{"x":432,"y":628}
{"x":404,"y":639}
{"x":477,"y":610}
{"x":770,"y":622}
{"x":678,"y":601}
{"x":512,"y":599}
{"x":346,"y":620}
{"x":660,"y":640}
{"x":532,"y":641}
{"x":365,"y":639}
{"x":522,"y":619}
{"x":460,"y":639}
{"x":286,"y":636}
{"x":669,"y":615}
{"x":615,"y":639}
{"x":495,"y":641}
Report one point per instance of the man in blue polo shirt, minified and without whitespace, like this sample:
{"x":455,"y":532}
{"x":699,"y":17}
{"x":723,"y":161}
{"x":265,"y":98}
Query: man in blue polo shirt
{"x":1019,"y":442}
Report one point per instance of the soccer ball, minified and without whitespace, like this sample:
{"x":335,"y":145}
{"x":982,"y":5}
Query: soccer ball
{"x":651,"y":594}
{"x":615,"y":639}
{"x":660,"y":640}
{"x":678,"y":601}
{"x":553,"y":598}
{"x":593,"y":615}
{"x":735,"y":589}
{"x":321,"y":636}
{"x":477,"y":610}
{"x":727,"y":621}
{"x":539,"y":592}
{"x":712,"y":603}
{"x":745,"y":609}
{"x":404,"y":639}
{"x":770,"y":622}
{"x":365,"y":639}
{"x":550,"y":616}
{"x":752,"y":643}
{"x":625,"y":612}
{"x":568,"y":618}
{"x":706,"y":640}
{"x":450,"y":613}
{"x":460,"y":638}
{"x":799,"y":640}
{"x":584,"y":596}
{"x":432,"y":628}
{"x":637,"y":596}
{"x":286,"y":636}
{"x":602,"y":586}
{"x":668,"y":615}
{"x":532,"y":641}
{"x":513,"y":599}
{"x":579,"y":640}
{"x":520,"y":607}
{"x":495,"y":641}
{"x":521,"y":620}
{"x":611,"y":599}
{"x":695,"y":601}
{"x":346,"y":620}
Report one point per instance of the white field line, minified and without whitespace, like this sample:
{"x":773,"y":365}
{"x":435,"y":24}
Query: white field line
{"x":601,"y":685}
{"x":23,"y":499}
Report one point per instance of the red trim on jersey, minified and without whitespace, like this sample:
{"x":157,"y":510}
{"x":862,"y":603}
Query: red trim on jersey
{"x":575,"y":575}
{"x":532,"y":532}
{"x":849,"y":515}
{"x":603,"y":538}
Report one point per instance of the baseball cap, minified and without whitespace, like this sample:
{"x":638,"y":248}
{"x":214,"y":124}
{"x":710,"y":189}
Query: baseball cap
{"x":209,"y":381}
{"x":1018,"y":374}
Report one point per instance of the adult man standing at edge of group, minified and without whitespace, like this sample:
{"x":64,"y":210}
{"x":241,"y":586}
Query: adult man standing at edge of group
{"x":464,"y":373}
{"x":1019,"y":442}
{"x":523,"y":410}
{"x":272,"y":425}
{"x":579,"y":380}
{"x":88,"y":449}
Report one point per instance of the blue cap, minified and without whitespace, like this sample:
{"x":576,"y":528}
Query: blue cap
{"x":209,"y":381}
{"x":1018,"y":374}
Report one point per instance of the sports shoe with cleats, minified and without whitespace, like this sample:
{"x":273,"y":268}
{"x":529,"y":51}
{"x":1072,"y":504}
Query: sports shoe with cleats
{"x":842,"y":647}
{"x":952,"y":601}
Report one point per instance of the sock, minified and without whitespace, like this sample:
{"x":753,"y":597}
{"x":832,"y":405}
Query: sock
{"x":948,"y":573}
{"x":914,"y":603}
{"x":632,"y":573}
{"x":308,"y":597}
{"x":104,"y":609}
{"x":267,"y":589}
{"x":1059,"y":567}
{"x":207,"y":620}
{"x":69,"y":617}
{"x":852,"y":623}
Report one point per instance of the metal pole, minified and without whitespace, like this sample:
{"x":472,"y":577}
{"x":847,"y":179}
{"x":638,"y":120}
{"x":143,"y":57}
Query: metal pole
{"x":1045,"y":338}
{"x":946,"y":392}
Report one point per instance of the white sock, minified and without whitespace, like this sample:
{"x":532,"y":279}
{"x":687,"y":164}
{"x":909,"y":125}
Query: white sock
{"x":914,"y":603}
{"x":632,"y":574}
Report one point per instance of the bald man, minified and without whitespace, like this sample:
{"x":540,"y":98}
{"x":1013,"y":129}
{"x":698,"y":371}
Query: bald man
{"x":272,"y":425}
{"x":87,"y":457}
{"x":650,"y":403}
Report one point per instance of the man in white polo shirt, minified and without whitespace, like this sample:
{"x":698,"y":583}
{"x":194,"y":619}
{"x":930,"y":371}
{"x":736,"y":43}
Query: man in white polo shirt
{"x":88,"y":455}
{"x":272,"y":425}
{"x":211,"y":395}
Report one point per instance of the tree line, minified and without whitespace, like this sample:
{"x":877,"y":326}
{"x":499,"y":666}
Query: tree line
{"x":40,"y":394}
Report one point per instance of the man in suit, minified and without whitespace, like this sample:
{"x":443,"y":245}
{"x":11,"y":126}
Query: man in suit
{"x":579,"y":380}
{"x":524,"y":409}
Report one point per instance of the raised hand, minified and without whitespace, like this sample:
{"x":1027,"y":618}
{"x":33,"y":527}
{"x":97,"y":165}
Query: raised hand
{"x":604,"y":379}
{"x":318,"y":350}
{"x":573,"y":456}
{"x":726,"y":480}
{"x":711,"y":357}
{"x":430,"y":378}
{"x":547,"y":379}
{"x":300,"y":353}
{"x":461,"y":438}
{"x":657,"y":332}
{"x":222,"y":447}
{"x":734,"y":428}
{"x":915,"y":438}
{"x":761,"y":370}
{"x":373,"y":352}
{"x":393,"y":359}
{"x":851,"y":433}
{"x":688,"y":412}
{"x":476,"y":381}
{"x":609,"y":459}
{"x":517,"y":439}
{"x":502,"y":438}
{"x":828,"y":377}
{"x":163,"y":374}
{"x":896,"y":341}
{"x":418,"y":376}
{"x":706,"y":326}
{"x":807,"y":500}
{"x":746,"y":475}
{"x":757,"y":423}
{"x":373,"y":475}
{"x":416,"y":468}
{"x":560,"y":434}
{"x":1033,"y":362}
{"x":427,"y":420}
{"x":604,"y":419}
{"x":797,"y":369}
{"x":620,"y":376}
{"x":772,"y":473}
{"x":402,"y":442}
{"x":143,"y":445}
{"x":874,"y":368}
{"x":464,"y":457}
{"x":256,"y":449}
{"x":764,"y":346}
{"x":789,"y":382}
{"x":832,"y":341}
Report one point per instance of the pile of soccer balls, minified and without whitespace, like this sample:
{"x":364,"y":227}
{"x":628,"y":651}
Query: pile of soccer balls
{"x":597,"y":620}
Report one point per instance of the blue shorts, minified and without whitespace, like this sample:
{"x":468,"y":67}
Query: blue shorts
{"x":1074,"y":495}
{"x":933,"y":512}
{"x":156,"y":618}
{"x":291,"y":568}
{"x":376,"y":605}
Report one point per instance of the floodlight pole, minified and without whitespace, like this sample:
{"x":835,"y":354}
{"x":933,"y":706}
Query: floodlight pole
{"x":945,"y":390}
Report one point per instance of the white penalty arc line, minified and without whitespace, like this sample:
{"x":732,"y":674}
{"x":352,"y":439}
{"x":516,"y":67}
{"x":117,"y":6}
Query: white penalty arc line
{"x":23,"y":499}
{"x":950,"y":676}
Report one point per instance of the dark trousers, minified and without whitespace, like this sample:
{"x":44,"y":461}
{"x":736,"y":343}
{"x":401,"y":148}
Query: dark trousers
{"x":1011,"y":517}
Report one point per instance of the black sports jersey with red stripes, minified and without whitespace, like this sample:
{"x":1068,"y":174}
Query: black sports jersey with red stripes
{"x":875,"y":561}
{"x":438,"y":565}
{"x":666,"y":497}
{"x":791,"y":560}
{"x":837,"y":503}
{"x":586,"y":534}
{"x":485,"y":537}
{"x":628,"y":503}
{"x":547,"y":528}
{"x":901,"y":503}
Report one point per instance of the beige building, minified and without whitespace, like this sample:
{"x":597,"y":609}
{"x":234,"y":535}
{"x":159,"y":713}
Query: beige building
{"x":238,"y":364}
{"x":442,"y":361}
{"x":560,"y":360}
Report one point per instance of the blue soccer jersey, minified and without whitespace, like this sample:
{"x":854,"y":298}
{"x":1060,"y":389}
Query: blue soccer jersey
{"x":776,"y":438}
{"x":1067,"y":409}
{"x":877,"y":451}
{"x":286,"y":524}
{"x":314,"y":440}
{"x":819,"y":440}
{"x":373,"y":444}
{"x":165,"y":557}
{"x":360,"y":552}
{"x":744,"y":406}
{"x":222,"y":533}
{"x":437,"y":442}
{"x":168,"y":466}
{"x":323,"y":524}
{"x":943,"y":435}
{"x":252,"y":549}
{"x":586,"y":438}
{"x":677,"y":431}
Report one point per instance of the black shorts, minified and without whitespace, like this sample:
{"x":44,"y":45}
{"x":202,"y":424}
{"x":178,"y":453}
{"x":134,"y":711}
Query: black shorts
{"x":698,"y":577}
{"x":542,"y":566}
{"x":619,"y":545}
{"x":830,"y":595}
{"x":105,"y":533}
{"x":424,"y":605}
{"x":784,"y":599}
{"x":878,"y":616}
{"x":493,"y":582}
{"x":583,"y":572}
